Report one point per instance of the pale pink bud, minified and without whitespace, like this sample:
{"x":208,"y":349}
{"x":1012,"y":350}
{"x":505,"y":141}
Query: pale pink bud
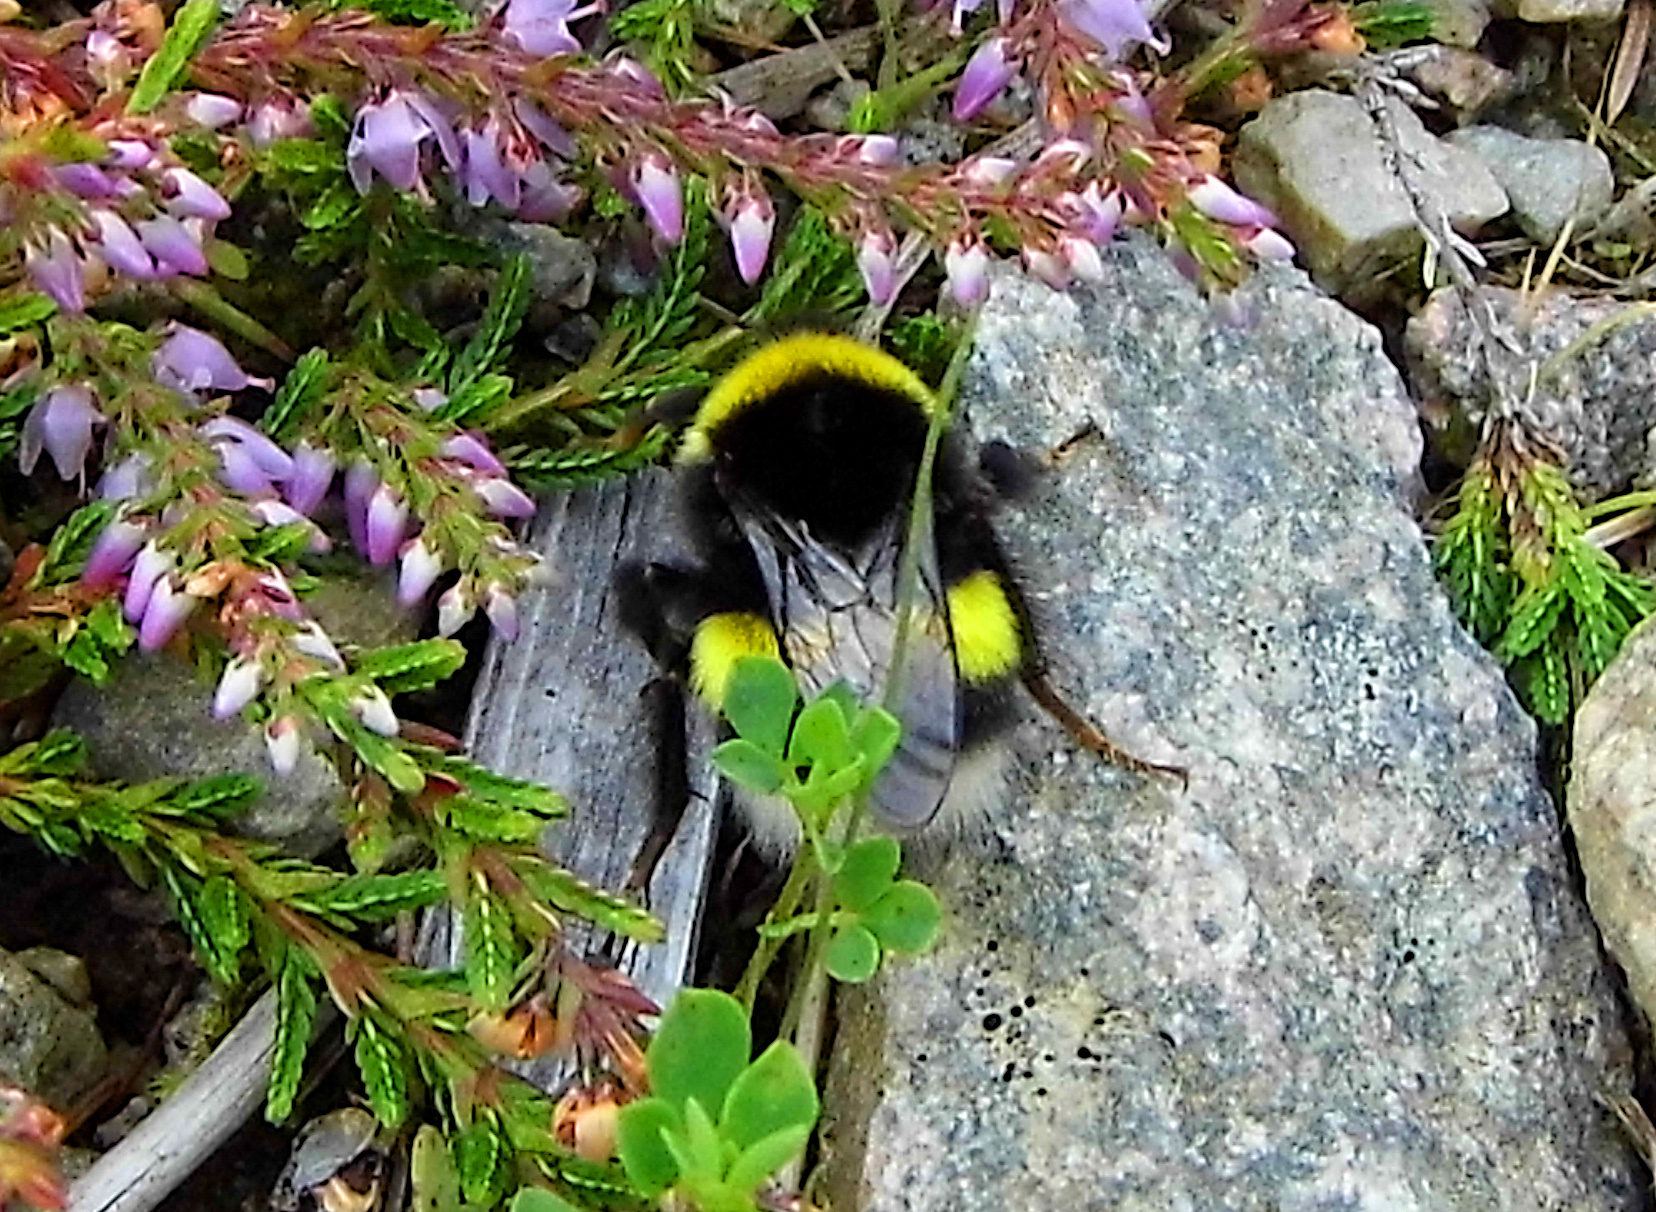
{"x":751,"y":223}
{"x":212,"y":110}
{"x":1081,"y":256}
{"x":165,"y":613}
{"x":282,"y":744}
{"x":419,"y":571}
{"x":501,"y":607}
{"x":1219,"y":201}
{"x":237,"y":687}
{"x":120,"y":247}
{"x":116,"y":547}
{"x":505,"y":499}
{"x":967,"y":265}
{"x":877,"y":259}
{"x":656,"y":184}
{"x":990,"y":69}
{"x":310,"y":640}
{"x":1269,"y":244}
{"x":188,"y":195}
{"x":1046,"y":265}
{"x":151,"y":565}
{"x":454,"y":608}
{"x":375,"y":712}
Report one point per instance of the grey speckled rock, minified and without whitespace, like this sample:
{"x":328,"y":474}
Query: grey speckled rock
{"x":1313,"y":157}
{"x":47,"y":1045}
{"x":1346,"y":969}
{"x":1549,"y":11}
{"x":1613,"y":769}
{"x":1599,"y":409}
{"x":1546,"y":180}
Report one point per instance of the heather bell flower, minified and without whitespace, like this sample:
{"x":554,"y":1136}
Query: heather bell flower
{"x":389,"y":137}
{"x":192,"y":362}
{"x":60,"y":425}
{"x":541,"y":27}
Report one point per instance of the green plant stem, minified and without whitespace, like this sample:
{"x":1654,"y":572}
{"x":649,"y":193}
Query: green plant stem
{"x":215,"y":306}
{"x":765,"y":952}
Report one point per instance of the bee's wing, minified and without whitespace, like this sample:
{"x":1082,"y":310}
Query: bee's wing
{"x":837,"y":616}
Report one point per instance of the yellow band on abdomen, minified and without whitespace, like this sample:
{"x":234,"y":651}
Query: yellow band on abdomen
{"x":986,"y":638}
{"x":720,"y":641}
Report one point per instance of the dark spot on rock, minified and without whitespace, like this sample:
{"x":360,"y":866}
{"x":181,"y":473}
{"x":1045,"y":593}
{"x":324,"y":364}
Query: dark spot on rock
{"x":1209,"y":930}
{"x":1016,"y":1011}
{"x":1408,"y":956}
{"x":1008,"y":1073}
{"x":1083,"y":1053}
{"x":1029,"y":1001}
{"x":991,"y":1022}
{"x":991,"y":945}
{"x":1040,"y":1091}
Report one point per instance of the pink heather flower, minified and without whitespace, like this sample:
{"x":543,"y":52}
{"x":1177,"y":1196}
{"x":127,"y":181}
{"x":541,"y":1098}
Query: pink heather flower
{"x":119,"y":245}
{"x":631,"y":72}
{"x":130,"y":155}
{"x":1269,"y":245}
{"x":152,"y":564}
{"x":541,"y":27}
{"x":387,"y":516}
{"x":656,"y":185}
{"x":240,"y":472}
{"x":546,"y":198}
{"x":751,"y":223}
{"x":501,"y":607}
{"x":472,"y":449}
{"x":58,"y":270}
{"x":1219,"y":201}
{"x":282,"y":744}
{"x":454,"y":608}
{"x":882,"y":151}
{"x":990,"y":69}
{"x":112,"y":553}
{"x":485,"y":174}
{"x":1081,"y":257}
{"x":165,"y":612}
{"x":988,"y":172}
{"x":271,"y":458}
{"x":361,"y":482}
{"x":212,"y":110}
{"x":505,"y":499}
{"x":419,"y":571}
{"x":131,"y":477}
{"x":277,"y":118}
{"x":190,"y":361}
{"x":545,"y":128}
{"x":107,"y":58}
{"x":188,"y":196}
{"x":1132,"y":102}
{"x":60,"y":424}
{"x":1116,"y":25}
{"x":86,"y":181}
{"x":1046,"y":265}
{"x":388,"y":137}
{"x":237,"y":687}
{"x":374,"y":710}
{"x":877,"y":259}
{"x":967,"y":265}
{"x":1098,"y":215}
{"x":310,"y":640}
{"x":308,"y":482}
{"x":175,"y":248}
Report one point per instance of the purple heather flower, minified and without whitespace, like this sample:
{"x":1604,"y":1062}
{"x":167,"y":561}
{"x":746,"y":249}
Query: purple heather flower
{"x":1046,"y":265}
{"x":388,"y":137}
{"x":504,"y":499}
{"x":272,"y":512}
{"x":988,"y":172}
{"x":175,"y":248}
{"x":374,"y":710}
{"x":1098,"y":215}
{"x":882,"y":151}
{"x":361,"y":482}
{"x":189,"y":197}
{"x":1116,"y":25}
{"x":58,"y":270}
{"x":1132,"y":102}
{"x":60,"y":424}
{"x":541,"y":27}
{"x":164,"y":613}
{"x":383,"y":528}
{"x":151,"y":564}
{"x":310,"y":478}
{"x":277,"y":118}
{"x":877,"y":259}
{"x":486,"y":173}
{"x":656,"y":185}
{"x":190,"y":361}
{"x":454,"y":608}
{"x":752,"y":221}
{"x":472,"y":449}
{"x":987,"y":73}
{"x":1269,"y":244}
{"x":1219,"y":201}
{"x":967,"y":265}
{"x":545,"y":128}
{"x":212,"y":110}
{"x":85,"y":181}
{"x":501,"y":607}
{"x":129,"y":478}
{"x":310,"y":640}
{"x":282,"y":744}
{"x":130,"y":155}
{"x":112,"y":553}
{"x":546,"y":198}
{"x":1080,"y":255}
{"x":237,"y":687}
{"x":271,"y":458}
{"x":420,"y":570}
{"x":107,"y":58}
{"x":120,"y":247}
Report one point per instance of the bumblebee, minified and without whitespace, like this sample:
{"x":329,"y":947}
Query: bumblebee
{"x":797,"y":471}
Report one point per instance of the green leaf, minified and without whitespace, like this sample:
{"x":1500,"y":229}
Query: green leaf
{"x":640,"y":1139}
{"x":906,"y":919}
{"x":875,"y":734}
{"x":744,"y":763}
{"x":500,"y":323}
{"x":701,"y":1045}
{"x":384,"y":1071}
{"x":23,"y":308}
{"x":373,"y":898}
{"x":480,"y":1154}
{"x":490,"y":822}
{"x":539,"y":1199}
{"x":766,"y":1156}
{"x":1532,"y":621}
{"x":774,"y":1092}
{"x":415,"y":666}
{"x":698,"y":1149}
{"x":569,"y":893}
{"x":759,"y":702}
{"x":867,"y":870}
{"x":476,"y":399}
{"x":60,"y":751}
{"x":218,"y":799}
{"x":491,"y":951}
{"x":820,"y":737}
{"x":516,"y":793}
{"x":853,"y":954}
{"x":105,"y":622}
{"x":227,"y":914}
{"x":189,"y":30}
{"x":84,"y":655}
{"x":303,"y":388}
{"x":383,"y":754}
{"x":184,"y":897}
{"x":436,"y":1185}
{"x":295,"y":1019}
{"x":73,"y":539}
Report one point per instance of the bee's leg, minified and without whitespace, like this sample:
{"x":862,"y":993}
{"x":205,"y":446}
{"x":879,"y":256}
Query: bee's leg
{"x":1089,"y":735}
{"x":664,"y":699}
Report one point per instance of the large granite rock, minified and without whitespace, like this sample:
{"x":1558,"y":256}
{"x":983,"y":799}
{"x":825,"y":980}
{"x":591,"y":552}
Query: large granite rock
{"x":49,"y":1041}
{"x":1347,"y":968}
